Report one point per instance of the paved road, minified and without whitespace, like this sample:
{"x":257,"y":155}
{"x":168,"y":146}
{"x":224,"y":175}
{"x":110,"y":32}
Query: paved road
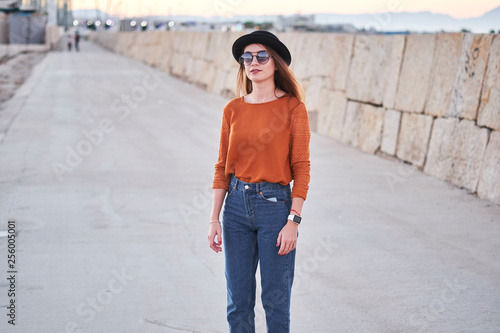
{"x":106,"y":170}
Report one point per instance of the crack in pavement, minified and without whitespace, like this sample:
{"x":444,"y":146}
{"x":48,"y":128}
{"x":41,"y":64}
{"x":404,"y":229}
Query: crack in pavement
{"x":179,"y":328}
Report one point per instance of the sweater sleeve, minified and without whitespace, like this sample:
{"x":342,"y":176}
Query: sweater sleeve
{"x":220,"y":178}
{"x":299,"y":151}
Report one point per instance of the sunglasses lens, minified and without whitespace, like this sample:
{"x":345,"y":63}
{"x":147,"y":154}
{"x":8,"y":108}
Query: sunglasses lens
{"x":246,"y":58}
{"x":263,"y":57}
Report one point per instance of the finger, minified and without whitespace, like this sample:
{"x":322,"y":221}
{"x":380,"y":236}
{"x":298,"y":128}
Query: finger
{"x":211,"y":242}
{"x":278,"y":241}
{"x":217,"y":248}
{"x":219,"y":236}
{"x":287,"y":247}
{"x":283,"y":248}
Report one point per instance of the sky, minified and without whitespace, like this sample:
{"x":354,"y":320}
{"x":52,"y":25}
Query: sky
{"x":227,"y":8}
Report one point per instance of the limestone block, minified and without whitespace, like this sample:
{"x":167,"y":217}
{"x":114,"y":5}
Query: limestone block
{"x":135,"y":51}
{"x":142,"y":44}
{"x":489,"y":108}
{"x":196,"y":71}
{"x":440,"y":156}
{"x":207,"y":75}
{"x":392,"y":119}
{"x":313,"y":93}
{"x":138,"y":48}
{"x":302,"y":60}
{"x":469,"y":77}
{"x":335,"y":121}
{"x":331,"y":113}
{"x":370,"y":129}
{"x":112,"y":41}
{"x":188,"y":63}
{"x":155,"y":56}
{"x":155,"y":37}
{"x":352,"y":120}
{"x":320,"y":63}
{"x":470,"y":145}
{"x":443,"y":73}
{"x":230,"y":81}
{"x":128,"y":42}
{"x":413,"y":138}
{"x":123,"y":42}
{"x":364,"y":70}
{"x":185,"y":39}
{"x":178,"y":64}
{"x":164,"y":46}
{"x":393,"y":67}
{"x":133,"y":42}
{"x":323,"y":110}
{"x":292,"y":41}
{"x":368,"y":74}
{"x":414,"y":78}
{"x":200,"y":46}
{"x":308,"y":60}
{"x":336,"y":57}
{"x":149,"y":55}
{"x":107,"y":40}
{"x":224,"y":57}
{"x":146,"y":53}
{"x":165,"y":58}
{"x":489,"y":182}
{"x":147,"y":37}
{"x":173,"y":38}
{"x":216,"y":86}
{"x":216,"y":48}
{"x":362,"y":126}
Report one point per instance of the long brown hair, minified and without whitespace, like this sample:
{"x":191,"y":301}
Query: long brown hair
{"x":284,"y":78}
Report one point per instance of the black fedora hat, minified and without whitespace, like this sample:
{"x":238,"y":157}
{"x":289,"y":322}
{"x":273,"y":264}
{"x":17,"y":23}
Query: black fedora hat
{"x":261,"y":37}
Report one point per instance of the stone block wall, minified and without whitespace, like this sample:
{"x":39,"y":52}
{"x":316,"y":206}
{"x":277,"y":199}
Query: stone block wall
{"x":430,"y":100}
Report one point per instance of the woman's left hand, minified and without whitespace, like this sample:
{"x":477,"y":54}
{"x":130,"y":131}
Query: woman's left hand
{"x":287,"y":238}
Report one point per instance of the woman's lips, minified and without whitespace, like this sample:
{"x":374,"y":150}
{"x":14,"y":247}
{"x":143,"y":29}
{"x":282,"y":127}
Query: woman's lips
{"x":255,"y":71}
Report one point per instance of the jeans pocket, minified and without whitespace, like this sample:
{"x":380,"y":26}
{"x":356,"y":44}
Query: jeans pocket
{"x":277,"y":197}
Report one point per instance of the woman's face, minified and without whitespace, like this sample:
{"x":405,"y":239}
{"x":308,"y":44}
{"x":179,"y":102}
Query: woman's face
{"x":259,"y":72}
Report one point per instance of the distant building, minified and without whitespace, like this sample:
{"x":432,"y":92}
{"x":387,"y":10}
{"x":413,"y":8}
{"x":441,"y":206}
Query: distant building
{"x":25,"y":21}
{"x":63,"y":9}
{"x":294,"y":22}
{"x":307,"y":23}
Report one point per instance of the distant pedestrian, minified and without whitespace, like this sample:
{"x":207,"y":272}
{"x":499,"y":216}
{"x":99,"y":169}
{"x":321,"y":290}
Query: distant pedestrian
{"x":264,"y":145}
{"x":77,"y":41}
{"x":69,"y":41}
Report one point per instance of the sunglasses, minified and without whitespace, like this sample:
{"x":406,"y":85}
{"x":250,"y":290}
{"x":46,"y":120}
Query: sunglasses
{"x":262,"y":58}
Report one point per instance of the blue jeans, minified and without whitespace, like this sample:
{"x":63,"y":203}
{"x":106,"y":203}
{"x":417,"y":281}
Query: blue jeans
{"x":254,"y":214}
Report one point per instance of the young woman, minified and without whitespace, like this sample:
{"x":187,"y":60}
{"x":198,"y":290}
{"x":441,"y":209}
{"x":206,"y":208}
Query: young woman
{"x":264,"y":145}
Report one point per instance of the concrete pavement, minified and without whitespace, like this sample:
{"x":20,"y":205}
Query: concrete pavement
{"x":106,"y":169}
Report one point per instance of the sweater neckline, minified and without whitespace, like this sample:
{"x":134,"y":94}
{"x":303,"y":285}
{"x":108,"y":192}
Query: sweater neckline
{"x":242,"y":100}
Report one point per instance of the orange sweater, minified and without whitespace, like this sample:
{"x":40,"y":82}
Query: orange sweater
{"x":265,"y":142}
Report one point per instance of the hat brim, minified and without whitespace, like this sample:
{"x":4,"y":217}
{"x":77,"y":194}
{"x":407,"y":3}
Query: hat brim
{"x":274,"y":43}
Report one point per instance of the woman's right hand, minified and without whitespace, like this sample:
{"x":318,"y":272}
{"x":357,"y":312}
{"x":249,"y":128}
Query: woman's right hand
{"x":215,"y":237}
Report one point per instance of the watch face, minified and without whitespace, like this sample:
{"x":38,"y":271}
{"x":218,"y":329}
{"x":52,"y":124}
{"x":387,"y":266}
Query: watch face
{"x":297,"y":219}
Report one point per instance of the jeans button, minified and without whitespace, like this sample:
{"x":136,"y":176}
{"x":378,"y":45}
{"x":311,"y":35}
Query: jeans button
{"x":247,"y":187}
